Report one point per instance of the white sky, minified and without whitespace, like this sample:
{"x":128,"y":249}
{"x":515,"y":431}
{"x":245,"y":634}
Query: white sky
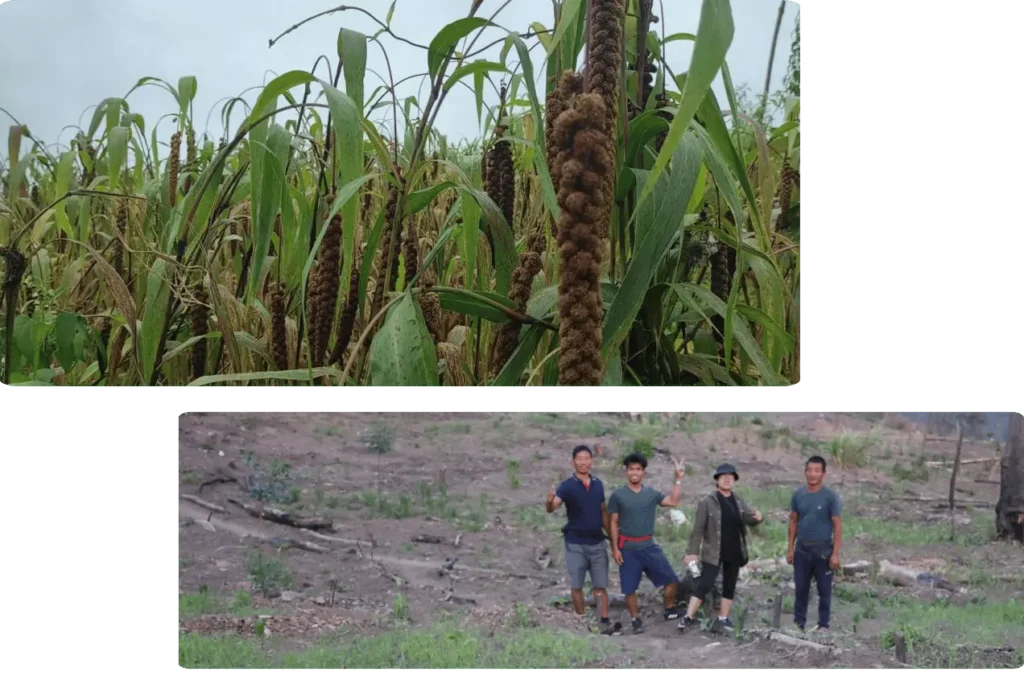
{"x":60,"y":57}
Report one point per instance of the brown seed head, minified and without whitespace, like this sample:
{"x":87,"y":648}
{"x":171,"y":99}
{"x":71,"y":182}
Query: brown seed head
{"x":583,"y":163}
{"x":172,"y":169}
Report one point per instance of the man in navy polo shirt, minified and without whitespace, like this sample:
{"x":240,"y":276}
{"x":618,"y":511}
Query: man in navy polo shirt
{"x":585,"y":533}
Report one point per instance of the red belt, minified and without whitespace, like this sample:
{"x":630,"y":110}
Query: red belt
{"x":623,"y":539}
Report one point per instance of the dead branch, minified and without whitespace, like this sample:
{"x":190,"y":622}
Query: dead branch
{"x":969,"y":461}
{"x":301,"y":545}
{"x":942,"y":503}
{"x":332,"y":539}
{"x":905,"y":576}
{"x":217,"y":479}
{"x":206,"y":504}
{"x":426,"y":538}
{"x":281,"y":517}
{"x":795,"y":642}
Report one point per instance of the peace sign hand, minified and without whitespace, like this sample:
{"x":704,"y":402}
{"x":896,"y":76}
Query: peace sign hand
{"x":680,"y":466}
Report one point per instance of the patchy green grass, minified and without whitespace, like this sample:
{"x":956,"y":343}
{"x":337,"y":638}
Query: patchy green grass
{"x":433,"y":431}
{"x":555,"y":422}
{"x":941,"y":634}
{"x":204,"y":602}
{"x":890,"y":532}
{"x":537,"y":518}
{"x":442,"y":645}
{"x":851,"y":450}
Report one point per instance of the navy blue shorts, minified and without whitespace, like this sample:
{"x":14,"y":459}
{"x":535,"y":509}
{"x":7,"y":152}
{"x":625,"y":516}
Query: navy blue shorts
{"x":650,"y":561}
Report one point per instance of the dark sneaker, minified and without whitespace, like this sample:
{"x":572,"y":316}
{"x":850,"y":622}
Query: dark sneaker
{"x":638,"y":626}
{"x":686,"y":623}
{"x":671,"y":614}
{"x":611,"y":629}
{"x":726,"y":626}
{"x":605,"y":627}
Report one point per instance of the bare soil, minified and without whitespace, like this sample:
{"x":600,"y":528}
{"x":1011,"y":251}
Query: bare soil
{"x":479,"y":480}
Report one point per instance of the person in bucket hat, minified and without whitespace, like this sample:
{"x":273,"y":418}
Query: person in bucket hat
{"x":719,"y":539}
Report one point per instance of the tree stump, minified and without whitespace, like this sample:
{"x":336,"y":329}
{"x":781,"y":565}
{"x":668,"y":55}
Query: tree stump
{"x":1010,"y":508}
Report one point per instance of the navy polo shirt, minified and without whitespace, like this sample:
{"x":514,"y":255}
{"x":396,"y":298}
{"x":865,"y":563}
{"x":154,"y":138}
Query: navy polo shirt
{"x":583,"y":508}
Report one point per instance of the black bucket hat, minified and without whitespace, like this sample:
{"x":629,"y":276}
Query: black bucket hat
{"x":726,"y":469}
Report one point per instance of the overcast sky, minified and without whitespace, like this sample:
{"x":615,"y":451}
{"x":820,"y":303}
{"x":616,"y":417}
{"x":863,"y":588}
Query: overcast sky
{"x":60,"y":57}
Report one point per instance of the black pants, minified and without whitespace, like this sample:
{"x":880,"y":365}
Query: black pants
{"x":811,"y":561}
{"x":708,"y":574}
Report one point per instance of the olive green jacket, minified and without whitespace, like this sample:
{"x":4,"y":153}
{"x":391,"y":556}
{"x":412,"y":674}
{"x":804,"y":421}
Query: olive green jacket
{"x":706,"y":537}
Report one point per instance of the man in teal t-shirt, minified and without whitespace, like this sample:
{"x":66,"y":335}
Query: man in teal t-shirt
{"x":815,"y":535}
{"x":632,"y":510}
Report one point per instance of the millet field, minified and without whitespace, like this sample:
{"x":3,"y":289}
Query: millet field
{"x":613,"y":224}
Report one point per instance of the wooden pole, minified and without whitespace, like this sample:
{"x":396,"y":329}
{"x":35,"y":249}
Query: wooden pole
{"x":777,"y":614}
{"x":952,"y":480}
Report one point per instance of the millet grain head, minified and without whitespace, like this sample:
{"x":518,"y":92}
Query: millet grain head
{"x":173,"y":166}
{"x":583,"y":165}
{"x":279,"y":327}
{"x":199,"y":318}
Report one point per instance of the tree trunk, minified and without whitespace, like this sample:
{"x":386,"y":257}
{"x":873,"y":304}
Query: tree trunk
{"x":1010,"y":508}
{"x":952,"y":480}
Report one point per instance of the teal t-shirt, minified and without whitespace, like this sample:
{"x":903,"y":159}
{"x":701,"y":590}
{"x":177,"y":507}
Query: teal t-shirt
{"x":637,"y":511}
{"x":814,"y":514}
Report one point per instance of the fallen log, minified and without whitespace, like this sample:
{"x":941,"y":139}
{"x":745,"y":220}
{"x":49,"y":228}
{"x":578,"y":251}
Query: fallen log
{"x":970,"y":461}
{"x":282,"y":517}
{"x":292,"y":543}
{"x":943,"y":503}
{"x":206,"y":504}
{"x":769,"y":565}
{"x":905,"y":576}
{"x":425,"y":538}
{"x":336,"y":539}
{"x":776,"y":636}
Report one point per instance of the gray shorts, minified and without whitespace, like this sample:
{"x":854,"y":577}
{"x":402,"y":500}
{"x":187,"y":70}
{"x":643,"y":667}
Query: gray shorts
{"x":579,"y":559}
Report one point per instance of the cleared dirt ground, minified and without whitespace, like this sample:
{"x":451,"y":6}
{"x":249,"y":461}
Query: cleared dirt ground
{"x":408,"y":493}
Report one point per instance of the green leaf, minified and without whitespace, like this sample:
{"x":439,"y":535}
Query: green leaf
{"x":466,"y":302}
{"x":505,"y":257}
{"x":402,"y":351}
{"x":543,"y":35}
{"x":446,"y":38}
{"x":68,"y":334}
{"x":187,"y":87}
{"x":157,"y":295}
{"x":182,"y":347}
{"x":666,"y":210}
{"x":706,"y":366}
{"x":759,"y":317}
{"x":546,"y":185}
{"x":352,"y":52}
{"x":295,"y":374}
{"x":272,"y":150}
{"x":391,"y":13}
{"x":714,"y":35}
{"x":250,"y":343}
{"x":435,"y":252}
{"x":348,"y":131}
{"x":470,"y":234}
{"x":30,"y":383}
{"x":118,"y":151}
{"x":60,"y":212}
{"x":370,"y":252}
{"x":418,"y":200}
{"x":478,"y":90}
{"x":23,"y":336}
{"x":267,"y":101}
{"x":697,"y":297}
{"x":718,"y":133}
{"x":479,"y":67}
{"x":570,"y":10}
{"x":613,"y":371}
{"x":512,"y":372}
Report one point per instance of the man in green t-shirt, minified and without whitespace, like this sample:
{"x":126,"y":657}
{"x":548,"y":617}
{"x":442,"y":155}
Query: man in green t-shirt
{"x":632,"y":509}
